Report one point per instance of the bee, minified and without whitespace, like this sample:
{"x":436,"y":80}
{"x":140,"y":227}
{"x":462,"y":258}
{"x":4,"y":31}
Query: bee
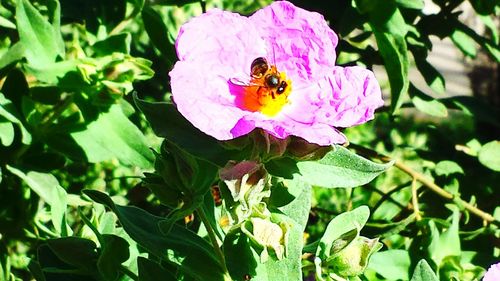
{"x":267,"y":77}
{"x":266,"y":90}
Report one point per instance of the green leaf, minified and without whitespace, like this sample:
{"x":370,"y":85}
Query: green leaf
{"x":76,"y":251}
{"x":340,"y":168}
{"x":340,"y":225}
{"x":116,"y":43}
{"x":431,"y":75}
{"x":423,"y":272}
{"x":389,"y":28}
{"x":195,"y":257}
{"x":9,"y":112}
{"x":48,"y":188}
{"x":391,"y":264}
{"x":489,"y":155}
{"x":6,"y":133}
{"x":15,"y":53}
{"x":41,"y":40}
{"x":168,"y":123}
{"x":113,"y":135}
{"x":447,"y":243}
{"x":464,"y":42}
{"x":152,"y":271}
{"x":114,"y":251}
{"x":158,"y":33}
{"x":446,"y":168}
{"x":7,"y":24}
{"x":431,"y":107}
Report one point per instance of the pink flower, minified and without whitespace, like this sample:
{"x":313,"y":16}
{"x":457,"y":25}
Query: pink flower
{"x":493,"y":273}
{"x":274,"y":70}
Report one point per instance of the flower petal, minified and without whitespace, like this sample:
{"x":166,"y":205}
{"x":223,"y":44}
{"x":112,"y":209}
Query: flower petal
{"x":300,"y":42}
{"x":223,"y":40}
{"x":205,"y":100}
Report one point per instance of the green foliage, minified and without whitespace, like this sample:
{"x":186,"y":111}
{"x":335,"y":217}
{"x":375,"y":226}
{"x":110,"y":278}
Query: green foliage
{"x":97,"y":183}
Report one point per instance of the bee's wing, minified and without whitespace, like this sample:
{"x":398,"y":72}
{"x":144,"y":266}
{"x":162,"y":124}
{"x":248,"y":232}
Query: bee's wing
{"x":242,"y":82}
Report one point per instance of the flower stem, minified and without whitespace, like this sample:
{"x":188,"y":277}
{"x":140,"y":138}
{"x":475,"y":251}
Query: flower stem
{"x":427,"y":183}
{"x":212,"y":236}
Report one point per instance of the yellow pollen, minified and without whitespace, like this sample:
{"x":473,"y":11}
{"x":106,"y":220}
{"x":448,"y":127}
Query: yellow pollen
{"x":266,"y":99}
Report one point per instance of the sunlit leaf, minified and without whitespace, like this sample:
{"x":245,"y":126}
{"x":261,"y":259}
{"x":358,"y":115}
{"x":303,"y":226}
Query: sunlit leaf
{"x":340,"y":168}
{"x":489,"y":155}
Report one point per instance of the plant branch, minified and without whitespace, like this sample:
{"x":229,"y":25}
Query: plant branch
{"x":414,"y":199}
{"x":427,"y":183}
{"x":212,"y":236}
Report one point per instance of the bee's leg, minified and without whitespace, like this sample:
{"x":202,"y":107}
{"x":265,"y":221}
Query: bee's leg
{"x":272,"y":95}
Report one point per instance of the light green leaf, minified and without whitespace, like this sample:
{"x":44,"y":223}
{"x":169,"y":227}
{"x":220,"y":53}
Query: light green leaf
{"x":431,"y":107}
{"x":341,"y":224}
{"x":289,"y":268}
{"x":391,"y":264}
{"x":48,"y":188}
{"x":340,"y":168}
{"x":489,"y":155}
{"x":9,"y":112}
{"x":6,"y":23}
{"x":41,"y":40}
{"x":423,"y":272}
{"x":6,"y":133}
{"x":15,"y":53}
{"x":446,"y":168}
{"x":113,"y":135}
{"x":447,"y":243}
{"x":464,"y":42}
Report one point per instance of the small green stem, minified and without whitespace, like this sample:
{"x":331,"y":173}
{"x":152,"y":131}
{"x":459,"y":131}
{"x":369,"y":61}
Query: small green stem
{"x":212,"y":236}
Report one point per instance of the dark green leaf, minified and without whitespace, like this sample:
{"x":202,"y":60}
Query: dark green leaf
{"x":431,"y":75}
{"x":76,"y":251}
{"x":114,"y":251}
{"x":489,"y":155}
{"x":389,"y":28}
{"x":116,"y":43}
{"x":167,"y":122}
{"x":152,"y":271}
{"x":474,"y":107}
{"x":340,"y":168}
{"x":158,"y":33}
{"x":196,"y":258}
{"x":423,"y":272}
{"x":41,"y":40}
{"x":113,"y":135}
